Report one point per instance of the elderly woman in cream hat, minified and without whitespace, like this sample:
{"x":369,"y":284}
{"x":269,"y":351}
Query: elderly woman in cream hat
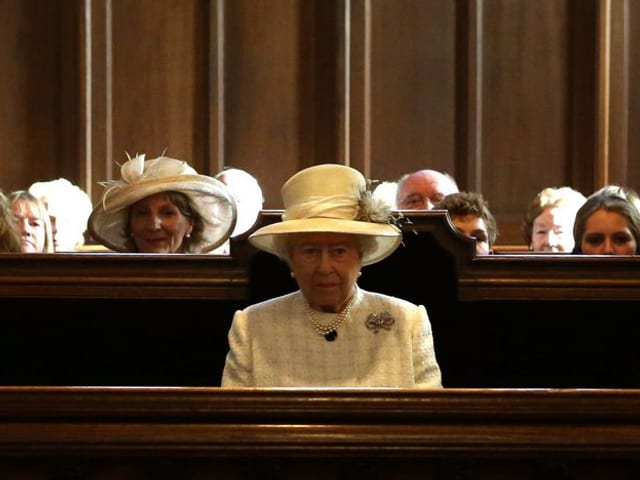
{"x":330,"y":332}
{"x":162,"y":206}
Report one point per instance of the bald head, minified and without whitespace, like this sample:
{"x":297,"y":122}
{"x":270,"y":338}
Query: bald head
{"x":422,"y":189}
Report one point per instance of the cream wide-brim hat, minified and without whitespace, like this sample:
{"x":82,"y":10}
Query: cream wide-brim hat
{"x":331,"y":198}
{"x":108,"y":222}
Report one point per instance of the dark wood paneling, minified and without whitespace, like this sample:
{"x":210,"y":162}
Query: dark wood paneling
{"x":159,"y":72}
{"x":633,"y":39}
{"x":263,"y":69}
{"x":30,"y":97}
{"x":581,"y":96}
{"x":524,"y":97}
{"x":409,"y":93}
{"x":97,"y":144}
{"x":615,"y":105}
{"x":72,"y":162}
{"x":506,"y":95}
{"x":281,"y":107}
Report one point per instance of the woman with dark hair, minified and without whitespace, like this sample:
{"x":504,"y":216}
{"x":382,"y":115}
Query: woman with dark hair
{"x":608,"y":223}
{"x":163,"y":206}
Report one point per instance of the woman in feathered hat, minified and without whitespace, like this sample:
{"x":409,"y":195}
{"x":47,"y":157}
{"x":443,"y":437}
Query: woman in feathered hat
{"x":330,"y":332}
{"x":163,"y":206}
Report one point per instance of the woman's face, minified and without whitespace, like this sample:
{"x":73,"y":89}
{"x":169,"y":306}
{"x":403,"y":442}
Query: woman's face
{"x":157,"y":225}
{"x":326,"y":267}
{"x":552,"y":230}
{"x":33,"y":234}
{"x":607,"y":233}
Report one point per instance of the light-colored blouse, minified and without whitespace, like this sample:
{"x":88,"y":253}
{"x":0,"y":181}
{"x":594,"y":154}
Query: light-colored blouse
{"x":385,"y":342}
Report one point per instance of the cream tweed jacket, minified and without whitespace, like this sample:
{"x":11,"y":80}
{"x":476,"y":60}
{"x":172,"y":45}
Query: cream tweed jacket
{"x":274,"y":344}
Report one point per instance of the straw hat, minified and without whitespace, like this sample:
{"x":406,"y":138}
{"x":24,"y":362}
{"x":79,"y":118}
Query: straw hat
{"x":108,"y":222}
{"x":331,"y":198}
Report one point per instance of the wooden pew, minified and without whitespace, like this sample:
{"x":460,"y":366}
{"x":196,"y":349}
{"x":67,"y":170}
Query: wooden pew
{"x":498,"y":324}
{"x":499,"y":321}
{"x":115,"y":319}
{"x":509,"y":320}
{"x":527,"y":321}
{"x":193,"y":433}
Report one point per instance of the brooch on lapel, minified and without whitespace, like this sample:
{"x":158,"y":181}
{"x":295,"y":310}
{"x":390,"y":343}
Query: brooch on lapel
{"x":376,"y":321}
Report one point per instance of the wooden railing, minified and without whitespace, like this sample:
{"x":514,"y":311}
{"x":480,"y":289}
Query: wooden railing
{"x":200,"y":432}
{"x":428,"y":236}
{"x":539,"y":358}
{"x":500,"y":321}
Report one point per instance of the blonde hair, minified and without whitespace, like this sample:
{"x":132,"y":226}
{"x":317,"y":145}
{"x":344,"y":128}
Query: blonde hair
{"x":43,"y":215}
{"x":564,"y":197}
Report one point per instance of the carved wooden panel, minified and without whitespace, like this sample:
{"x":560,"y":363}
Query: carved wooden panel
{"x":509,"y":96}
{"x":31,"y":132}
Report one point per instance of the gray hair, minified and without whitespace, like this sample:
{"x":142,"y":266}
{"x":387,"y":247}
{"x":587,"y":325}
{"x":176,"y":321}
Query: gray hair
{"x":283,"y":244}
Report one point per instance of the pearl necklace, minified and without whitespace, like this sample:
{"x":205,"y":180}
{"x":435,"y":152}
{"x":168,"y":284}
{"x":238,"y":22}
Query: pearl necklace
{"x":329,"y":331}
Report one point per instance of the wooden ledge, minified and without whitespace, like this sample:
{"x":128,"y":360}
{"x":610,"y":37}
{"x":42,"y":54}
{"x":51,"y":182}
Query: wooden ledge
{"x":317,"y":423}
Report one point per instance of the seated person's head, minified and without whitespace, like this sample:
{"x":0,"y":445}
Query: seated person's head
{"x":331,"y":227}
{"x":68,"y":207}
{"x":548,"y":221}
{"x":285,"y":245}
{"x":386,"y":192}
{"x":163,"y":206}
{"x":422,"y":189}
{"x":180,"y":227}
{"x":470,"y":214}
{"x":32,"y":221}
{"x":10,"y":241}
{"x":608,"y":223}
{"x":248,"y":195}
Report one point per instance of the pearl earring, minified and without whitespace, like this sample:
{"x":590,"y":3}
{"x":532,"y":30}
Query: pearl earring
{"x":293,"y":275}
{"x":188,"y":235}
{"x":359,"y":274}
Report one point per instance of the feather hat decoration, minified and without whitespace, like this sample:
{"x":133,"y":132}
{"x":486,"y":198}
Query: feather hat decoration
{"x":140,"y":178}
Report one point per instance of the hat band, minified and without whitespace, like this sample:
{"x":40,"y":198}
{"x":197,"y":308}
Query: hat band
{"x":333,"y":206}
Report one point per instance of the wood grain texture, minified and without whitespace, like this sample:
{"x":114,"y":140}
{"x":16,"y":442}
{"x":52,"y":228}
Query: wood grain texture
{"x":509,"y":96}
{"x":199,"y":432}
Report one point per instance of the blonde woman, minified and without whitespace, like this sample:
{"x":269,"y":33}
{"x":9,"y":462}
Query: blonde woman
{"x":32,"y":221}
{"x":548,"y":221}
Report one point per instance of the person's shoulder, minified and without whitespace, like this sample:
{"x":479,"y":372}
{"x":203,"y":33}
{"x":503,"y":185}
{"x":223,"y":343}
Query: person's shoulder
{"x":381,"y":298}
{"x":275,"y":302}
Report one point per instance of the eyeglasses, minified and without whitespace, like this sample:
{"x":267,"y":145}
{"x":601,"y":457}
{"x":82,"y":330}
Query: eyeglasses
{"x":417,"y":202}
